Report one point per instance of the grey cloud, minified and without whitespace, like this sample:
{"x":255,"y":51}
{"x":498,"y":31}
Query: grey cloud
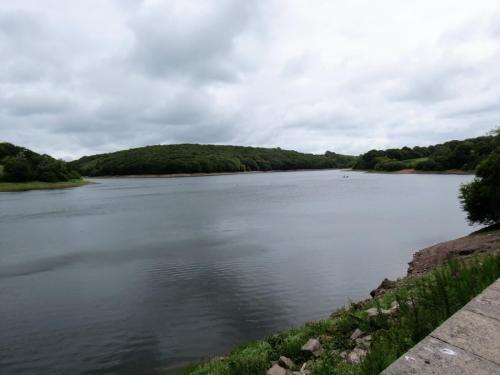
{"x":32,"y":50}
{"x":22,"y":70}
{"x":27,"y":105}
{"x":185,"y":108}
{"x":199,"y":47}
{"x":20,"y":25}
{"x":470,"y":111}
{"x":432,"y":84}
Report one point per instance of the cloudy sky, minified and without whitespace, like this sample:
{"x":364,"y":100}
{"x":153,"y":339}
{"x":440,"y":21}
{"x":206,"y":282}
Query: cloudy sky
{"x":88,"y":76}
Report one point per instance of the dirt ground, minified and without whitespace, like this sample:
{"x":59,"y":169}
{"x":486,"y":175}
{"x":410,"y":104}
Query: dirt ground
{"x":475,"y":243}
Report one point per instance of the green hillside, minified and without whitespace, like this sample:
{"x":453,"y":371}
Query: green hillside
{"x":20,"y":165}
{"x":195,"y":158}
{"x":461,"y":155}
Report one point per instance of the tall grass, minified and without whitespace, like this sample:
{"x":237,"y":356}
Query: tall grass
{"x":39,"y":185}
{"x":424,"y":304}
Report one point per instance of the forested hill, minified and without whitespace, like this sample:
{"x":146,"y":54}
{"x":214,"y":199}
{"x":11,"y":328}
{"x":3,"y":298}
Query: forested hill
{"x":195,"y":158}
{"x":18,"y":164}
{"x":460,"y":155}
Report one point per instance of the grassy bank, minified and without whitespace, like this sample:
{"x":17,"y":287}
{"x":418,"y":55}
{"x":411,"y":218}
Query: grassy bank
{"x":390,"y":325}
{"x":38,"y":185}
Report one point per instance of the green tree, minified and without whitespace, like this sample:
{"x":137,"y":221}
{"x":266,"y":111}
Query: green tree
{"x":481,"y":198}
{"x":17,"y":169}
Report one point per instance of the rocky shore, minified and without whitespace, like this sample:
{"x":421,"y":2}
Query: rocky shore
{"x":424,"y":261}
{"x":367,"y":336}
{"x":427,"y":259}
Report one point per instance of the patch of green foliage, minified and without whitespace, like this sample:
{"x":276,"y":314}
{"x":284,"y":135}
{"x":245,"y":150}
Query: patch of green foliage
{"x":195,"y":158}
{"x":481,"y":198}
{"x":22,"y":165}
{"x":462,"y":155}
{"x":40,"y":185}
{"x":424,"y":303}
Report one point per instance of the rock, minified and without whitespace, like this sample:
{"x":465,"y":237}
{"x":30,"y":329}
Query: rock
{"x":356,"y":356}
{"x":304,"y":370}
{"x":384,"y":286}
{"x":364,"y":342}
{"x":392,"y":310}
{"x":466,"y":251}
{"x":286,"y":362}
{"x":356,"y":334}
{"x":388,"y":311}
{"x":276,"y":370}
{"x":344,"y":354}
{"x":312,"y":346}
{"x":373,"y":311}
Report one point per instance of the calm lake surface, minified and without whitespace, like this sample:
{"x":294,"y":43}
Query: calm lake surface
{"x":129,"y":275}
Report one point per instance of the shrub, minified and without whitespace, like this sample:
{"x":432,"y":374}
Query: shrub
{"x":481,"y":198}
{"x":428,"y":165}
{"x":390,"y":166}
{"x":17,"y":169}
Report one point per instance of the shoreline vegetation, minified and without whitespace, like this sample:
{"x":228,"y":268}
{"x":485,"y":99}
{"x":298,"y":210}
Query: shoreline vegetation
{"x":415,"y":171}
{"x":454,"y":155}
{"x":367,"y":336}
{"x":22,"y":169}
{"x":186,"y":159}
{"x":176,"y":175}
{"x":6,"y":187}
{"x":180,"y":175}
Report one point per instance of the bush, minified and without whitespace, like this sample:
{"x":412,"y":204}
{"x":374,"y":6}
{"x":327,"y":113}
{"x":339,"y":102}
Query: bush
{"x":465,"y":155}
{"x":428,"y":165}
{"x":22,"y":165}
{"x":481,"y":198}
{"x":17,"y":169}
{"x":390,"y":166}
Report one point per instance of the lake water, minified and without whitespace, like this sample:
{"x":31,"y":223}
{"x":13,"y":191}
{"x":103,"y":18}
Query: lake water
{"x":130,"y":275}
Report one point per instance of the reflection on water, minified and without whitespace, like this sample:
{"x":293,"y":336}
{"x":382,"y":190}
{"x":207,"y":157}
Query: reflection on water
{"x":130,"y":275}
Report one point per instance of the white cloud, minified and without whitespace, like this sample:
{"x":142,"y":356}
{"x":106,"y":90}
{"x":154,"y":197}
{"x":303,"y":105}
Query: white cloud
{"x":93,"y":76}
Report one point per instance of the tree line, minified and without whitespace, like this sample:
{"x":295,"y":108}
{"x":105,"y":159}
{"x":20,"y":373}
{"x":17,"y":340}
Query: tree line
{"x":18,"y":164}
{"x":463,"y":155}
{"x":196,"y":158}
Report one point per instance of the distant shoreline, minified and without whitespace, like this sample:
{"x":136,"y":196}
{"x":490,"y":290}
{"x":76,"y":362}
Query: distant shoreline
{"x":175,"y":175}
{"x":414,"y":171}
{"x":12,"y":187}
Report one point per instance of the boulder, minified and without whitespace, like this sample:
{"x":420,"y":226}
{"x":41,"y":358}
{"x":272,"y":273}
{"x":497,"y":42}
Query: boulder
{"x":276,"y":370}
{"x":356,"y":334}
{"x":373,"y":311}
{"x":392,"y":310}
{"x":384,"y":286}
{"x":364,"y":341}
{"x":356,"y":356}
{"x":312,"y":346}
{"x":286,"y":363}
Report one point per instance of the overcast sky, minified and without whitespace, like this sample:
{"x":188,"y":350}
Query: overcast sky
{"x":88,"y":76}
